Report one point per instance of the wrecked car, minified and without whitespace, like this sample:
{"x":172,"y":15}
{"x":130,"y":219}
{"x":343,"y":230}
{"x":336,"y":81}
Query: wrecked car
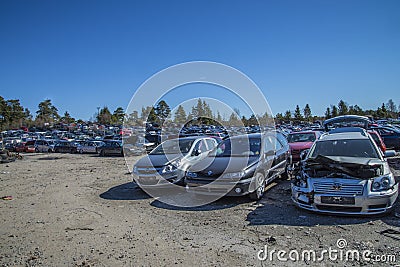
{"x":241,"y":165}
{"x":344,"y":172}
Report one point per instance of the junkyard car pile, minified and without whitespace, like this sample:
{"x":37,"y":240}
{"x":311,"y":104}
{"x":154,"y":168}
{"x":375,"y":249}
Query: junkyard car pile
{"x":342,"y":170}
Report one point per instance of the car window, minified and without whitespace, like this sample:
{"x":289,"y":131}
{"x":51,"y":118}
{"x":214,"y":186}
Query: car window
{"x":301,"y":137}
{"x":270,"y":144}
{"x":200,"y":146}
{"x":210,"y":144}
{"x":282,"y":139}
{"x":345,"y":148}
{"x":174,"y":146}
{"x":238,"y":147}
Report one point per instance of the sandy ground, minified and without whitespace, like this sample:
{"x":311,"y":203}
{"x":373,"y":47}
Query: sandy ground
{"x":83,"y":210}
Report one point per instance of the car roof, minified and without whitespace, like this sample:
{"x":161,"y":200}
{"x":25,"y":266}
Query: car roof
{"x":306,"y":132}
{"x":343,"y":136}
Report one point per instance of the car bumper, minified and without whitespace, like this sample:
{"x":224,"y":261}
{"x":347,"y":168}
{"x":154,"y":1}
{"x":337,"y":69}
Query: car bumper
{"x":365,"y":204}
{"x":157,"y":180}
{"x":234,"y":188}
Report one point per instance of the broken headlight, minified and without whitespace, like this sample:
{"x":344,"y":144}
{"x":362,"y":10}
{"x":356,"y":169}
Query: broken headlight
{"x":382,"y":183}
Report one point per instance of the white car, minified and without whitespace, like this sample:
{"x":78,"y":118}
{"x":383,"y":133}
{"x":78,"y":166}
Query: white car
{"x":88,"y":147}
{"x":168,"y":161}
{"x":44,"y":145}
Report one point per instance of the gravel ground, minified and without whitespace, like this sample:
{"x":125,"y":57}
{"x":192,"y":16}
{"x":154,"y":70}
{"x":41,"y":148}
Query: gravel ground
{"x":83,"y":210}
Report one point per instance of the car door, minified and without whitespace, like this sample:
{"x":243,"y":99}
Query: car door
{"x":273,"y":145}
{"x":116,"y":150}
{"x":199,"y":147}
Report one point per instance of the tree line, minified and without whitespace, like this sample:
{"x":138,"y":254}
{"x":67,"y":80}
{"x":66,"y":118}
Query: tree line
{"x":13,"y":115}
{"x":385,"y":111}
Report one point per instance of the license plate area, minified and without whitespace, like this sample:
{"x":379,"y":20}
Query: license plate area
{"x":338,"y":200}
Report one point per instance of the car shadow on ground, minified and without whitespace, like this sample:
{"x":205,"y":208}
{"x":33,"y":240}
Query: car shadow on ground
{"x":222,"y":203}
{"x":127,"y":191}
{"x":277,"y":208}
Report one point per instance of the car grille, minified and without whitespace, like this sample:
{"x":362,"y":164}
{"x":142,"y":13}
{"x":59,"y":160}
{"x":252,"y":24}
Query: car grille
{"x":147,"y":171}
{"x":338,"y":189}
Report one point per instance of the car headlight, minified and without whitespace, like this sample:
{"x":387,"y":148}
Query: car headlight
{"x":302,"y":183}
{"x":191,"y":174}
{"x":170,"y":167}
{"x":233,"y":175}
{"x":382,"y":183}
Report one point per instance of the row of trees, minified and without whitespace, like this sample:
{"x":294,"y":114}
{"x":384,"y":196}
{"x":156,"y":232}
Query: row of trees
{"x":201,"y":113}
{"x":14,"y":115}
{"x":388,"y":110}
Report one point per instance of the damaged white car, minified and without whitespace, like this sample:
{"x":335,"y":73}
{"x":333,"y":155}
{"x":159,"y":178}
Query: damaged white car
{"x":344,"y":172}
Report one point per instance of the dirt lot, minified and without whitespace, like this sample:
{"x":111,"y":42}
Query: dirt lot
{"x":83,"y":210}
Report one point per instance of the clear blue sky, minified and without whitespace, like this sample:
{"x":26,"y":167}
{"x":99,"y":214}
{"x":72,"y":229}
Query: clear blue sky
{"x":84,"y":54}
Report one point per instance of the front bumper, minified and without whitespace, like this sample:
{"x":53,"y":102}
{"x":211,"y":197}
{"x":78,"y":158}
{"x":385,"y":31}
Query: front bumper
{"x":156,"y":180}
{"x":365,"y":204}
{"x":218,"y":187}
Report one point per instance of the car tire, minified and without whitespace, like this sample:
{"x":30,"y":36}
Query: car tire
{"x":259,"y":192}
{"x":49,"y":151}
{"x":36,"y":150}
{"x":102,"y":153}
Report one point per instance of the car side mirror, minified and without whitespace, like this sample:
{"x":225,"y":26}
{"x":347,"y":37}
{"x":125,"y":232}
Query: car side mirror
{"x":390,"y":153}
{"x":270,"y":153}
{"x":196,"y":152}
{"x":303,"y":154}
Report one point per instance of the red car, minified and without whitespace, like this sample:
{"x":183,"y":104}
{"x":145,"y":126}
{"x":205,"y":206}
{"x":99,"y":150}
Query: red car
{"x":20,"y":147}
{"x":30,"y":146}
{"x":299,"y":141}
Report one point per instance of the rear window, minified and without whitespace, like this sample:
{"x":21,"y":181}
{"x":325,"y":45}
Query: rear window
{"x":301,"y":137}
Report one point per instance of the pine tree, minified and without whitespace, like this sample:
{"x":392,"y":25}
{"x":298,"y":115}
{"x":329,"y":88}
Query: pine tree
{"x":297,"y":114}
{"x":180,"y":115}
{"x":307,"y":112}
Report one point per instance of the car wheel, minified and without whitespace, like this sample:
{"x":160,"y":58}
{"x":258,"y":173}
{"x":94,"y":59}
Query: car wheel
{"x":36,"y":150}
{"x":49,"y":150}
{"x":81,"y":151}
{"x":259,"y":192}
{"x":101,"y":153}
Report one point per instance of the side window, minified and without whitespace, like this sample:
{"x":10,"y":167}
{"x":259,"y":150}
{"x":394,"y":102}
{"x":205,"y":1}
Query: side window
{"x":200,"y":146}
{"x":268,"y":145}
{"x":271,"y":143}
{"x":278,"y":145}
{"x":282,"y":139}
{"x":210,"y":144}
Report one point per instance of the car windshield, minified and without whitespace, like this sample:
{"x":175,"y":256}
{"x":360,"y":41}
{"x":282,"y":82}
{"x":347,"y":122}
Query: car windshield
{"x":174,"y":146}
{"x":301,"y":137}
{"x":345,"y":148}
{"x":238,"y":147}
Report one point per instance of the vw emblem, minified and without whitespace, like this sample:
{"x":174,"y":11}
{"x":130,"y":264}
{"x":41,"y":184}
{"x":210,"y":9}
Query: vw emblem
{"x":337,"y":186}
{"x":209,"y":173}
